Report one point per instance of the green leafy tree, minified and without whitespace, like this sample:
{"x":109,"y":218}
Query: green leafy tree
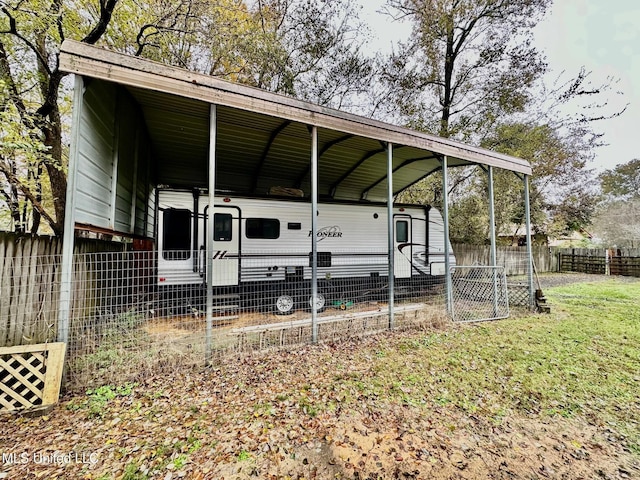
{"x":470,"y":72}
{"x":617,"y":221}
{"x":30,"y":35}
{"x":21,"y":160}
{"x":468,"y":65}
{"x":307,"y":49}
{"x":563,"y":197}
{"x":622,"y":182}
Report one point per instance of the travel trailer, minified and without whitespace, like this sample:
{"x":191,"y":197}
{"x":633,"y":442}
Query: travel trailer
{"x":262,"y":248}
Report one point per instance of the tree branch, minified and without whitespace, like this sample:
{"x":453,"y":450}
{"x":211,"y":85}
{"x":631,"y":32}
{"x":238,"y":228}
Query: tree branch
{"x":13,"y":30}
{"x":106,"y":10}
{"x":11,"y":177}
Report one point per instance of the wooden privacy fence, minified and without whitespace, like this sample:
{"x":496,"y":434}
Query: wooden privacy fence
{"x":625,"y":262}
{"x":582,"y":263}
{"x":626,"y":266}
{"x":30,"y":285}
{"x":513,"y":259}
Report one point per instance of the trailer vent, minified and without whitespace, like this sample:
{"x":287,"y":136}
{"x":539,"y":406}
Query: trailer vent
{"x":294,"y":274}
{"x":324,"y":259}
{"x":294,"y":226}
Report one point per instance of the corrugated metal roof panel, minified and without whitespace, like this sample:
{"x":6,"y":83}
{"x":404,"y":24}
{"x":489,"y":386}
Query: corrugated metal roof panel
{"x":263,"y":139}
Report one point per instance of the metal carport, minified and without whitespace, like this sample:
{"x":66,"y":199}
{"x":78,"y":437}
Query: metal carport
{"x":138,"y":124}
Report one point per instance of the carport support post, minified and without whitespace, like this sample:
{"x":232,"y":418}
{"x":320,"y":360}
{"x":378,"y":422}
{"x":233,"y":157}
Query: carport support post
{"x":209,"y":232}
{"x":314,"y":233}
{"x":390,"y":235}
{"x":492,"y":233}
{"x":527,"y":213}
{"x":445,"y":215}
{"x":68,"y":238}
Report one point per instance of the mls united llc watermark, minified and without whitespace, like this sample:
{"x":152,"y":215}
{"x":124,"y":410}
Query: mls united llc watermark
{"x":49,"y":458}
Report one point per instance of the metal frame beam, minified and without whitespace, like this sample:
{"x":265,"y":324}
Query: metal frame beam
{"x":390,"y":234}
{"x":314,"y":233}
{"x":68,"y":238}
{"x":527,"y":213}
{"x":492,"y":236}
{"x":445,"y":215}
{"x":353,"y":168}
{"x":326,"y":147}
{"x":209,"y":229}
{"x":265,"y":152}
{"x":402,"y":165}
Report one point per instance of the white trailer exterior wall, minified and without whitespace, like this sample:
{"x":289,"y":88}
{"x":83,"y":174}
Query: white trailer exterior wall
{"x":268,"y":240}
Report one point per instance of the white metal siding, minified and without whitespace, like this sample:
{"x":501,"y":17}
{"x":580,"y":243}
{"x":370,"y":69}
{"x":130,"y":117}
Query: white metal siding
{"x":95,"y":169}
{"x":108,"y":149}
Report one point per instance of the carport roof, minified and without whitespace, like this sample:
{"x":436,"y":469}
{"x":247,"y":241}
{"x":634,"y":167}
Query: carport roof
{"x":263,"y":138}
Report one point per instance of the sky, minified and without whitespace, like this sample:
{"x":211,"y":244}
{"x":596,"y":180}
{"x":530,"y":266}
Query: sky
{"x":601,"y":35}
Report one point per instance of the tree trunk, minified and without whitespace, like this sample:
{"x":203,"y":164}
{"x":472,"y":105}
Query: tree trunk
{"x":448,"y":82}
{"x":57,"y":177}
{"x":35,"y":213}
{"x":11,"y":198}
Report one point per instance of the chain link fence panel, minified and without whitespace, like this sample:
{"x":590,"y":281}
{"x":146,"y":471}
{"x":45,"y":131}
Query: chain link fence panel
{"x":479,"y":293}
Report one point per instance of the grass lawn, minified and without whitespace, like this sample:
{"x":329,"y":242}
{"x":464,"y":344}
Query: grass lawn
{"x":538,"y":396}
{"x":582,"y":360}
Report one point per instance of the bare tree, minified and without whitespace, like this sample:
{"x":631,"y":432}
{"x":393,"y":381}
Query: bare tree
{"x":468,"y":61}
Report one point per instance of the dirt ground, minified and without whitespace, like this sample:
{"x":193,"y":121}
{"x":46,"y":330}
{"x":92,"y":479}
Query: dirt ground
{"x":292,"y":415}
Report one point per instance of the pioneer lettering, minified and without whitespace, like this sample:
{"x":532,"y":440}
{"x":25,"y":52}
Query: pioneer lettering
{"x":327,"y":232}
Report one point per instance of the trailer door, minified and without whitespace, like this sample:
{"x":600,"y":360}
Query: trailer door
{"x":403,"y":247}
{"x":226,"y":246}
{"x":177,"y":260}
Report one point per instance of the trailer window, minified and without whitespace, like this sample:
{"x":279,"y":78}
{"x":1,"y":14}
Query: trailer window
{"x":222,"y":227}
{"x":268,"y":228}
{"x":176,"y":234}
{"x":402,"y":231}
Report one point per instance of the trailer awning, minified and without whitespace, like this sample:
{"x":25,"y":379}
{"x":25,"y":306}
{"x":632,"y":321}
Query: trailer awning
{"x":263,"y":138}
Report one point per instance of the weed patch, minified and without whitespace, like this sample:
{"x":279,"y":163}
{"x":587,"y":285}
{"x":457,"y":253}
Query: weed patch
{"x":97,"y":399}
